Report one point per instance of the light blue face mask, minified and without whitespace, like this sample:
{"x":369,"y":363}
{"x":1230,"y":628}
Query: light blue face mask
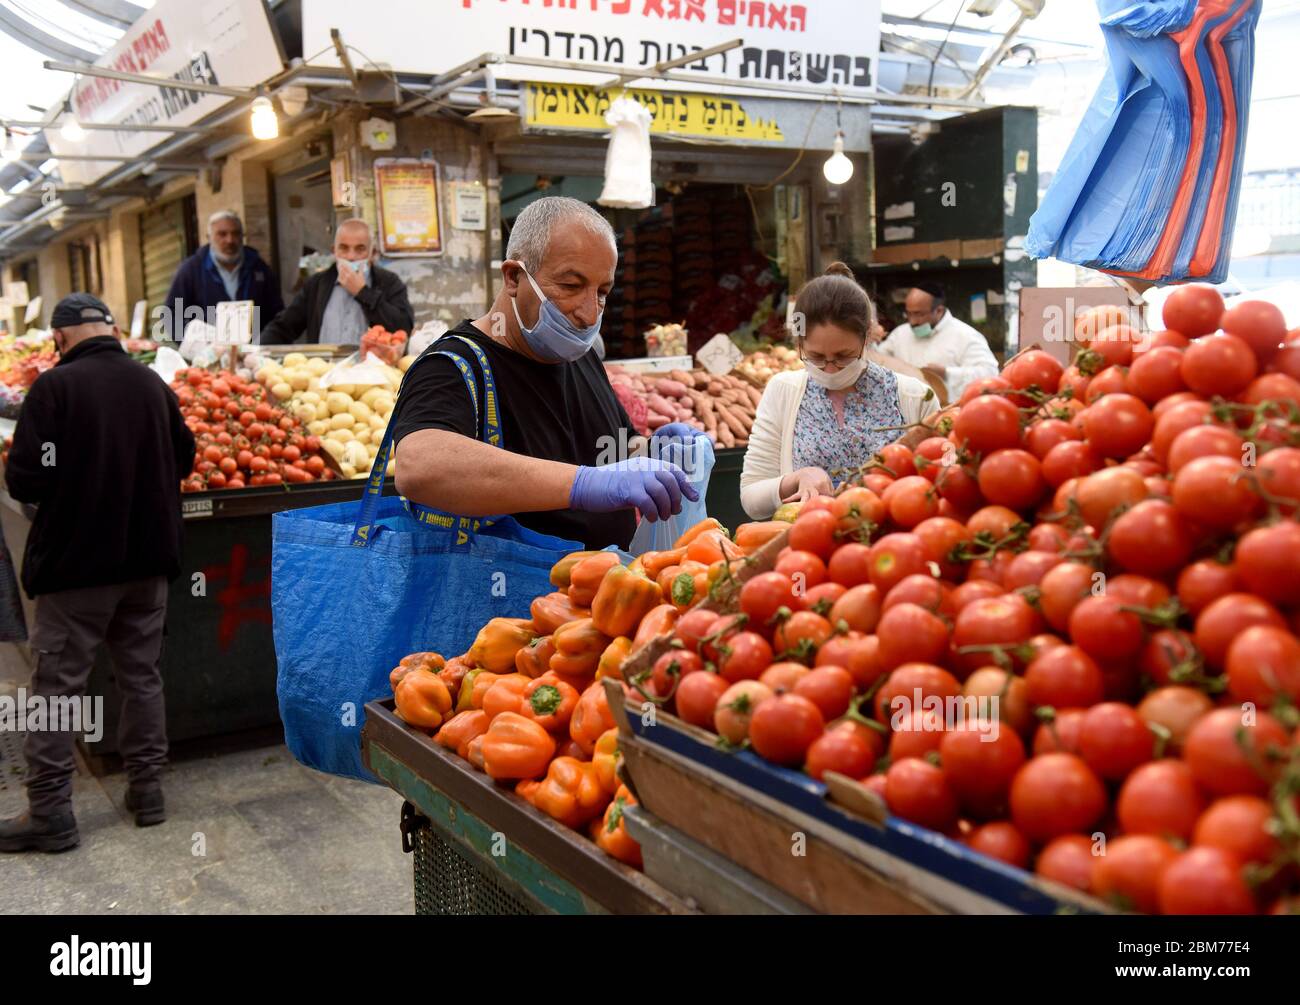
{"x":923,"y":331}
{"x":362,"y":265}
{"x":555,"y":338}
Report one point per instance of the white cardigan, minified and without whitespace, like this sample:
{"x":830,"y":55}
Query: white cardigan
{"x":770,"y":456}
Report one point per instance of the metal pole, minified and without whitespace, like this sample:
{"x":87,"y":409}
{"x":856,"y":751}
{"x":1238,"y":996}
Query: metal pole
{"x":86,"y":69}
{"x":88,"y":126}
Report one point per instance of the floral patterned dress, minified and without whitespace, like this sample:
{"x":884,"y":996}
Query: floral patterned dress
{"x":823,"y":439}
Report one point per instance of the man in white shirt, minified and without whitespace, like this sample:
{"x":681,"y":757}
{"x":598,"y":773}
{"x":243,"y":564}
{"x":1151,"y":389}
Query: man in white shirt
{"x":942,"y":346}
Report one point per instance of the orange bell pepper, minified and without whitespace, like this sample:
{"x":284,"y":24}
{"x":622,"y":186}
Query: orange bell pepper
{"x":659,"y":621}
{"x":691,"y":533}
{"x":622,"y":600}
{"x":571,"y":792}
{"x":474,"y":687}
{"x":654,"y":562}
{"x":712,"y":546}
{"x":453,"y":675}
{"x":497,"y":642}
{"x":431,"y":661}
{"x":591,"y":718}
{"x":606,"y":757}
{"x":578,"y":646}
{"x":515,"y":747}
{"x":568,"y":748}
{"x":554,"y":609}
{"x":506,"y":695}
{"x":527,"y":788}
{"x":474,"y":752}
{"x":458,"y":731}
{"x":422,"y":699}
{"x":611,"y":660}
{"x":562,"y":569}
{"x":752,"y":536}
{"x":611,"y":833}
{"x":550,"y":701}
{"x":585,"y":578}
{"x":534,"y":659}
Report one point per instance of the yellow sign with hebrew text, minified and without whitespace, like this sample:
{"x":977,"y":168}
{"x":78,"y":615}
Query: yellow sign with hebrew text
{"x":577,"y":107}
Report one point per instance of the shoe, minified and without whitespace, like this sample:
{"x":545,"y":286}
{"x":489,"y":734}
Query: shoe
{"x":54,"y":833}
{"x":146,"y":804}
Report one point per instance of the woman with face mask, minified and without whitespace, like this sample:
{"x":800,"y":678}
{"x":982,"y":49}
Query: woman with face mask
{"x":814,"y":424}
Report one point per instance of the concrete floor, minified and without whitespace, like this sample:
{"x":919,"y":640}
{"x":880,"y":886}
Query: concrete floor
{"x":248,"y":832}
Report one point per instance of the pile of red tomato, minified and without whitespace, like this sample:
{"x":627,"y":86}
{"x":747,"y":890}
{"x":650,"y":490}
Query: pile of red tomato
{"x":241,"y":438}
{"x":1109,"y":550}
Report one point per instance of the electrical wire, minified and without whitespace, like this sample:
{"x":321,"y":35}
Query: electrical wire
{"x":929,"y":84}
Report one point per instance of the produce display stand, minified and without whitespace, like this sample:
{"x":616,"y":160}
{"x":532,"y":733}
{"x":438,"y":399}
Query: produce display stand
{"x":480,"y":849}
{"x":218,"y":660}
{"x":832,"y":848}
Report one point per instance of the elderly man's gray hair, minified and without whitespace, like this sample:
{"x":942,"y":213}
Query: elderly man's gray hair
{"x":225,"y":214}
{"x":532,"y":230}
{"x":356,"y":221}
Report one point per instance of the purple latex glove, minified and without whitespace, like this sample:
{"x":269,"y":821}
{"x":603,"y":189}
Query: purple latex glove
{"x":654,"y":487}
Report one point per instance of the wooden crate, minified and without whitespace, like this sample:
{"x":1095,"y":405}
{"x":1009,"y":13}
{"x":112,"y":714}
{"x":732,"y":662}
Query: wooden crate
{"x":831,"y":846}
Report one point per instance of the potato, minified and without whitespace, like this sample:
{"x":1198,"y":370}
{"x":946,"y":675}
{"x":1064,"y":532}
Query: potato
{"x":378,"y":422}
{"x":294,"y":359}
{"x":368,"y":396}
{"x":405,"y":362}
{"x":359,"y":410}
{"x":318,"y":428}
{"x":356,"y":455}
{"x":337,"y":402}
{"x":362,"y":436}
{"x":266,"y":374}
{"x":281,"y":390}
{"x":340,"y":435}
{"x":317,"y":366}
{"x":298,"y":380}
{"x":314,"y":384}
{"x":333,"y":447}
{"x":348,"y":470}
{"x":342,"y":420}
{"x":383,"y":404}
{"x":311,"y":397}
{"x":304,"y":411}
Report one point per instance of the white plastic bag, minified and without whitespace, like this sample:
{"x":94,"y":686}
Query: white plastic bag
{"x":167,"y":362}
{"x":628,"y":183}
{"x":354,"y":370}
{"x":696,"y":459}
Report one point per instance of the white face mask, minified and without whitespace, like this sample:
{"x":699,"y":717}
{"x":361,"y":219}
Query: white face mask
{"x":840,"y":379}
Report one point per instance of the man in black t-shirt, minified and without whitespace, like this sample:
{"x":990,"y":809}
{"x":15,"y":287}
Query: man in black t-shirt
{"x":559,"y":417}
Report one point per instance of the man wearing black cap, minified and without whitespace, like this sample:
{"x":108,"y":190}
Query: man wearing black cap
{"x":100,"y":449}
{"x":944,"y":347}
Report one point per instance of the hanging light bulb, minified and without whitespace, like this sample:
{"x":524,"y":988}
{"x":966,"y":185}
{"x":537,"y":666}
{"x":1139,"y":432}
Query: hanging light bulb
{"x":266,"y":124}
{"x":72,"y":131}
{"x":838,"y":169}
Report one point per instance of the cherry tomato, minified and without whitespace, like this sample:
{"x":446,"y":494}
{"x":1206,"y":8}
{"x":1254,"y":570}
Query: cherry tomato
{"x":984,"y":625}
{"x":1203,"y":441}
{"x":1263,"y":665}
{"x":1070,"y":459}
{"x":1128,"y":875}
{"x":1219,"y":364}
{"x":1012,"y":708}
{"x":830,"y":688}
{"x":736,"y":708}
{"x":1239,"y":825}
{"x":1205,"y":881}
{"x":1012,"y":478}
{"x":1193,"y":310}
{"x":894,"y":557}
{"x":1114,"y":740}
{"x":1067,"y":860}
{"x":850,"y":565}
{"x":744,"y":656}
{"x":1106,"y":632}
{"x":899,"y":693}
{"x":767,"y":593}
{"x":909,"y":633}
{"x":784,"y":727}
{"x":924,"y":591}
{"x":814,"y":532}
{"x":1226,"y":618}
{"x":849,"y":751}
{"x":1174,"y":709}
{"x":695,"y":625}
{"x":697,"y":698}
{"x":1152,"y":538}
{"x":822,"y":597}
{"x":979,"y":761}
{"x":1160,"y":798}
{"x":1044,"y":434}
{"x":1034,"y":368}
{"x":939,"y":536}
{"x":804,"y":569}
{"x":988,"y":423}
{"x":1156,"y":374}
{"x":1265,"y":562}
{"x":1117,"y":425}
{"x":1064,"y":677}
{"x":1056,"y":794}
{"x":918,"y":791}
{"x":1214,"y":492}
{"x":983,"y":385}
{"x":1060,"y":732}
{"x":1229,"y":756}
{"x":782,"y":677}
{"x":799,"y":635}
{"x":1257,"y":323}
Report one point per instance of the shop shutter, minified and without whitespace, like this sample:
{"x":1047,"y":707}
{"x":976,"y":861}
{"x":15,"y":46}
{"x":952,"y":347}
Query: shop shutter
{"x":165,"y":241}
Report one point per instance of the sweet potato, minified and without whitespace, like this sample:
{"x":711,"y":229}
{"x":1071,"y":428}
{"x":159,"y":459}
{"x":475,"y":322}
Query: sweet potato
{"x":733,"y":423}
{"x":670,"y":388}
{"x":725,"y":436}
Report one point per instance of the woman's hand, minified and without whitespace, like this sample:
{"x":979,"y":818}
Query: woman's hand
{"x":799,"y":486}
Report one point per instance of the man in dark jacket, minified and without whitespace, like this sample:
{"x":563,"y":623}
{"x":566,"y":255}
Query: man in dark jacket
{"x":100,"y":448}
{"x":338,"y":304}
{"x":223,"y":269}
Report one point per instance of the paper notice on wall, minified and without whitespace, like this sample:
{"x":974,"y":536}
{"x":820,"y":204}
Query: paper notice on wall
{"x":33,"y":310}
{"x":16,"y":293}
{"x":235,"y":322}
{"x":979,"y":309}
{"x":899,"y":233}
{"x":137,"y":319}
{"x":900,"y":211}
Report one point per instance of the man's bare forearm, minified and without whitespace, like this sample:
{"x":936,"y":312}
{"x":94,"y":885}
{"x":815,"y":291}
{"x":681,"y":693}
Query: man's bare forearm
{"x":455,"y":474}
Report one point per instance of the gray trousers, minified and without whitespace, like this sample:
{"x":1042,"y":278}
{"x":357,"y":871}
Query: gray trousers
{"x":70,"y":625}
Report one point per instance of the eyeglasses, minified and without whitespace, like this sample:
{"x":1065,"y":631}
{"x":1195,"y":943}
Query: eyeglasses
{"x":821,"y":362}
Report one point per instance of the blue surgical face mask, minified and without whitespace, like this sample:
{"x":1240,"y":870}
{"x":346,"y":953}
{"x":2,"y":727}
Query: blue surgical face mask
{"x":555,"y":338}
{"x":361,"y":266}
{"x":923,"y":331}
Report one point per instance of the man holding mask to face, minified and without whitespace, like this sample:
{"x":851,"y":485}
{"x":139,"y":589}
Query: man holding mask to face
{"x":338,"y":304}
{"x":942,"y":346}
{"x":561,"y":425}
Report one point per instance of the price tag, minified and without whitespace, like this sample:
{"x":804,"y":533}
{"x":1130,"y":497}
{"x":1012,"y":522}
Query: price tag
{"x":33,"y":310}
{"x":719,"y":355}
{"x":469,"y":206}
{"x":234,"y":322}
{"x":137,"y":319}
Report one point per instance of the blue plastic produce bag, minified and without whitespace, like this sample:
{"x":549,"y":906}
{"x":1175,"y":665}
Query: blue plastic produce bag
{"x":355,"y":587}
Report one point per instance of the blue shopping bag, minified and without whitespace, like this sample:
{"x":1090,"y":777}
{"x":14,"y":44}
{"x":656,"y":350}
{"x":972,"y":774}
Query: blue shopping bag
{"x":354,"y":588}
